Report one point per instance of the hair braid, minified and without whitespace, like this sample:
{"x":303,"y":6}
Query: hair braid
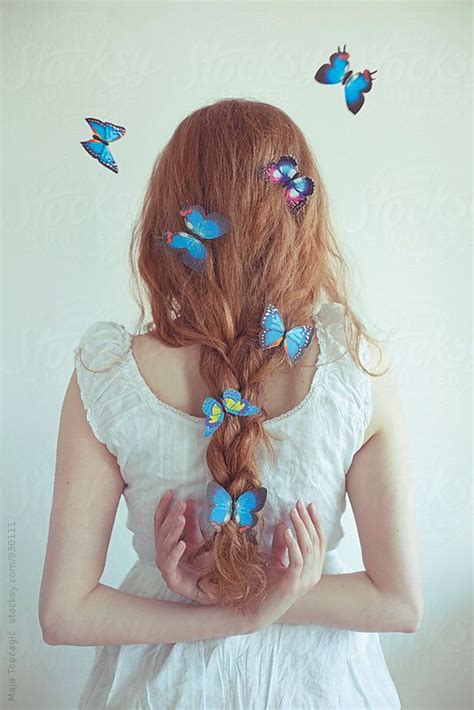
{"x":235,"y":362}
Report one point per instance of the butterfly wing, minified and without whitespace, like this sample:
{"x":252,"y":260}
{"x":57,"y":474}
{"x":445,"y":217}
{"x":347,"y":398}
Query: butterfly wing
{"x":234,"y":403}
{"x":358,"y":85}
{"x":219,"y":503}
{"x":273,"y":328}
{"x":214,"y":412}
{"x":297,"y":192}
{"x":334,"y":72}
{"x":107,"y":131}
{"x":246,"y":506}
{"x":193,"y":251}
{"x":281,"y":171}
{"x":100,"y":152}
{"x":297,"y":340}
{"x":205,"y":226}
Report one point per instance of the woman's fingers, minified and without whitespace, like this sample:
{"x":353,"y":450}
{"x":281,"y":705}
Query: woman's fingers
{"x":193,"y":532}
{"x":279,"y":545}
{"x":172,"y":536}
{"x":319,"y":528}
{"x":304,"y":540}
{"x":176,"y":553}
{"x":295,"y":556}
{"x":311,"y":546}
{"x":168,"y":527}
{"x":160,"y":512}
{"x":175,"y":509}
{"x":305,"y":517}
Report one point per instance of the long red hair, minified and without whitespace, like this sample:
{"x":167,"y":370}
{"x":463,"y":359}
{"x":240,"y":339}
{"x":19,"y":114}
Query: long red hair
{"x":269,"y":256}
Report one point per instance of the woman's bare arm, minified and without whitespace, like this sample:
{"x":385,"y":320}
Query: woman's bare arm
{"x":74,"y":608}
{"x":387,"y":595}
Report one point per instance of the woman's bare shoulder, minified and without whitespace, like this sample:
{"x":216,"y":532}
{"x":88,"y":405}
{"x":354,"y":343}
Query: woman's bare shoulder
{"x":386,"y":404}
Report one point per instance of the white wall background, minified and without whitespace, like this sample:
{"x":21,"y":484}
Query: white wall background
{"x":399,"y":179}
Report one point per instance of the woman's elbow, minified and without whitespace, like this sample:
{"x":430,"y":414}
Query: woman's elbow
{"x":56,"y":630}
{"x":49,"y":629}
{"x":401,"y":614}
{"x":413,"y":616}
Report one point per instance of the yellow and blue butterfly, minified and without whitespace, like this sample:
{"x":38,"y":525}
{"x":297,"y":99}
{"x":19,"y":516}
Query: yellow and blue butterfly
{"x":98,"y":145}
{"x":273,"y":333}
{"x":355,"y":85}
{"x":231,"y":402}
{"x":211,"y":226}
{"x":222,"y":507}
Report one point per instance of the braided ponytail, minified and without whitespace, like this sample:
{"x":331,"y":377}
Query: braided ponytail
{"x":237,"y":570}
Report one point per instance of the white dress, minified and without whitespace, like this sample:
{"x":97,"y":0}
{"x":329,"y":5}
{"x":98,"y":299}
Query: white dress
{"x":287,"y":667}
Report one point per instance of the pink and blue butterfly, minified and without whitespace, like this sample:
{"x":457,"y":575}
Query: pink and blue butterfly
{"x":273,"y":333}
{"x":98,"y":145}
{"x":231,"y":402}
{"x":284,"y":171}
{"x":211,"y":226}
{"x":355,"y":85}
{"x":222,"y":507}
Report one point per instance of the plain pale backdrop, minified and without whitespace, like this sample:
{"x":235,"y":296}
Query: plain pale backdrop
{"x":399,"y":180}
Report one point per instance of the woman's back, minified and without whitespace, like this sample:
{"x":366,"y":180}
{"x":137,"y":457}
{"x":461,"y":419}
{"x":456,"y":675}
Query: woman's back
{"x":160,"y":444}
{"x":146,"y":411}
{"x":173,"y":375}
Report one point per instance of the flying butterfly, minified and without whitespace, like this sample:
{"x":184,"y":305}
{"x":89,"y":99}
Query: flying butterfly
{"x":295,"y":341}
{"x":98,"y":145}
{"x":231,"y":402}
{"x":355,"y":85}
{"x":284,"y":172}
{"x":194,"y":252}
{"x":222,"y":507}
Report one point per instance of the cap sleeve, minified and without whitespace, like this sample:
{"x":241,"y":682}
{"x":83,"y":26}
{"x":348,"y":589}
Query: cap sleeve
{"x":98,"y":356}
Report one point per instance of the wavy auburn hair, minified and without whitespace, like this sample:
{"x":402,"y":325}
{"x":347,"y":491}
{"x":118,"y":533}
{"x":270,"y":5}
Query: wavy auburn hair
{"x":269,"y":256}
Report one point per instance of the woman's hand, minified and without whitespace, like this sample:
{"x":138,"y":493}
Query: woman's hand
{"x":306,"y":553}
{"x":177,"y":536}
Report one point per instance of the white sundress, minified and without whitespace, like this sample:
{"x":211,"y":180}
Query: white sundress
{"x":284,"y":667}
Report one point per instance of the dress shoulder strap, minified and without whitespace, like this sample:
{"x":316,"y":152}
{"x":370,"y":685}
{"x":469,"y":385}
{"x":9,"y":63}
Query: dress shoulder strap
{"x":346,"y":378}
{"x":330,"y":328}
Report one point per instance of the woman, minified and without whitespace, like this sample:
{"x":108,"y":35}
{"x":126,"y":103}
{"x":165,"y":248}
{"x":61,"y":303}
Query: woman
{"x":223,"y":621}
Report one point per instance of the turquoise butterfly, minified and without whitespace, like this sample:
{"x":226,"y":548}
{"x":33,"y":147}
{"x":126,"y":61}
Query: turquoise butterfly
{"x":295,"y":341}
{"x":192,"y":250}
{"x":222,"y":507}
{"x":231,"y":402}
{"x":98,"y":146}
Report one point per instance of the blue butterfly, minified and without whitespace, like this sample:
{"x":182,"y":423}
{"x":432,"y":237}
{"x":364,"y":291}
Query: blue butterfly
{"x":231,"y":402}
{"x":222,"y":507}
{"x":284,"y":171}
{"x":355,"y":85}
{"x":295,"y":341}
{"x":98,"y":145}
{"x":205,"y":226}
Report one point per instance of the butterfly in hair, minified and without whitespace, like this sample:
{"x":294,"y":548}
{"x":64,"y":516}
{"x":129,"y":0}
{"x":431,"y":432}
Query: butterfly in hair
{"x":98,"y":145}
{"x":284,"y":172}
{"x":193,"y":250}
{"x":295,"y":341}
{"x":231,"y":402}
{"x":222,"y":507}
{"x":355,"y":85}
